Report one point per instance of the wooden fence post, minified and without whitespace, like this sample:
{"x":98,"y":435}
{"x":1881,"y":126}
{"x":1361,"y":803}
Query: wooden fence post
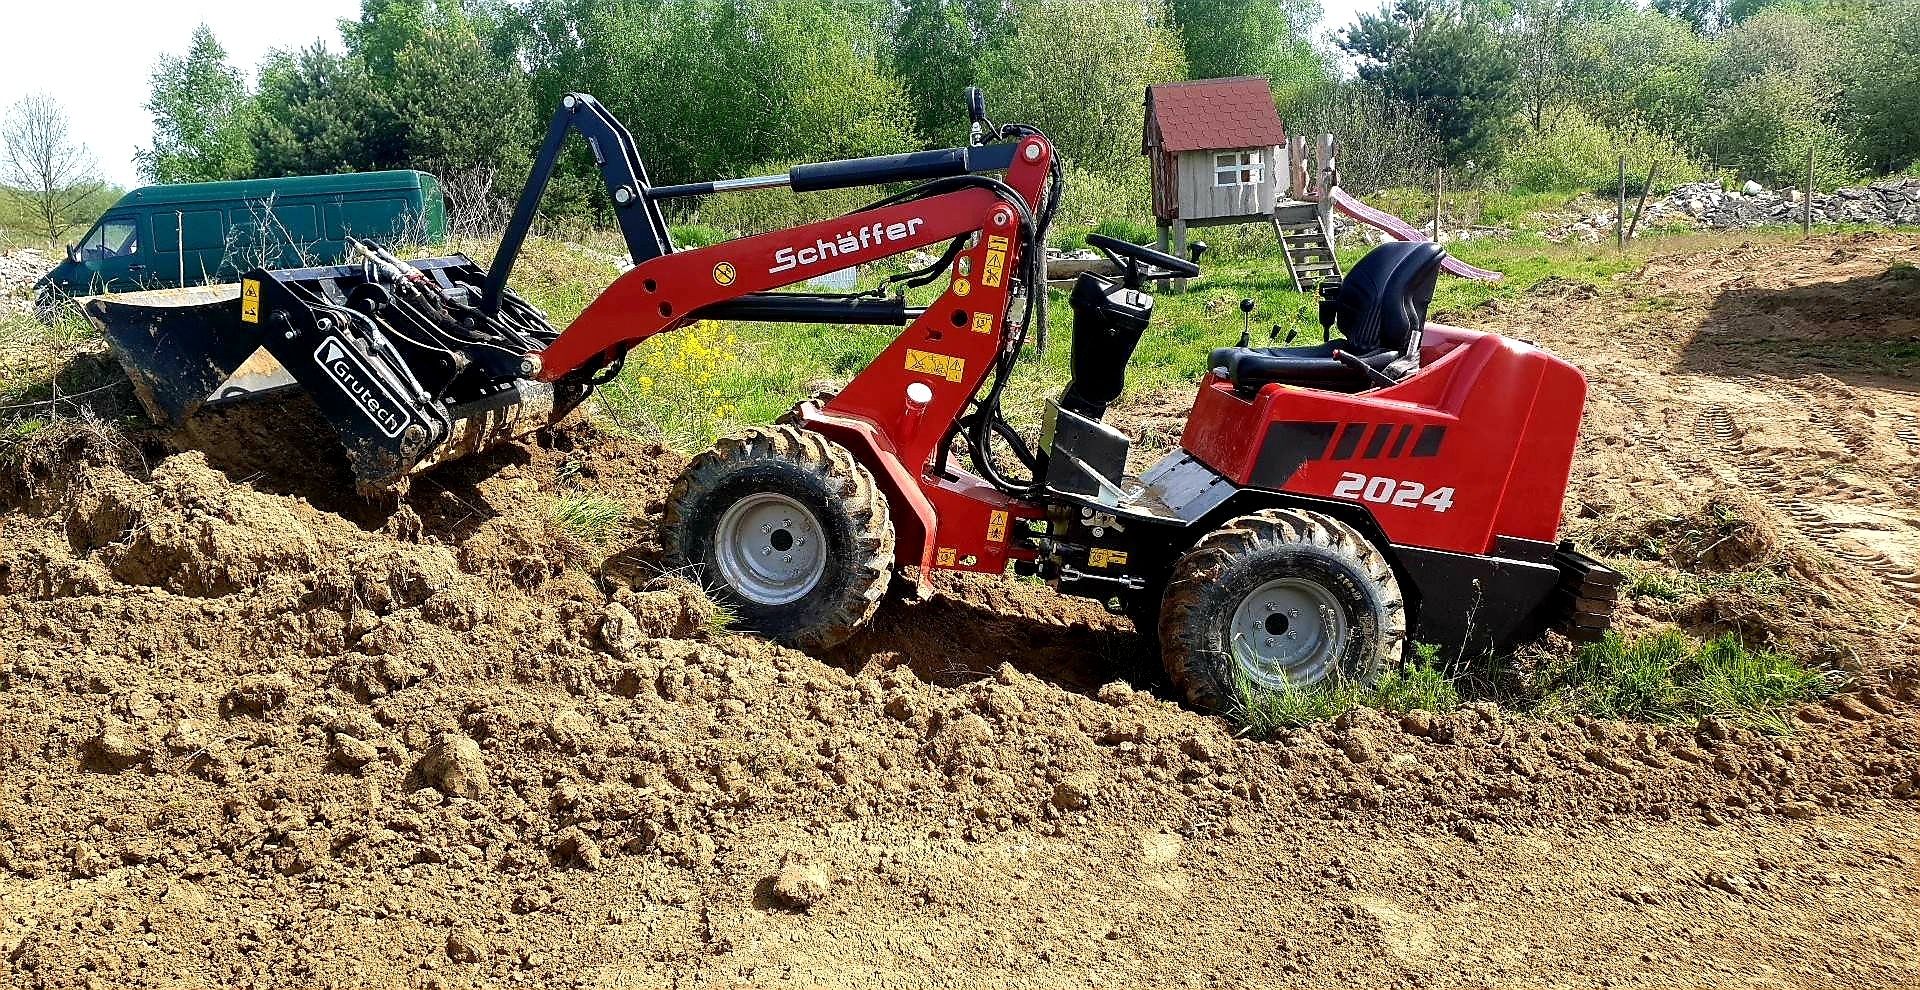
{"x":1641,"y":206}
{"x":1439,"y":193}
{"x":1620,"y":210}
{"x":1806,"y":198}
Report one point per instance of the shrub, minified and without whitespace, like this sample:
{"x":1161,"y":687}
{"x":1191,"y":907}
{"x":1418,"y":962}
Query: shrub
{"x":1123,"y":192}
{"x":1127,"y":229}
{"x":698,"y":235}
{"x":1763,"y":128}
{"x":1575,"y":153}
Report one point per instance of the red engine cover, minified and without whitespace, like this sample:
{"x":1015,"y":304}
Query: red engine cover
{"x":1475,"y":446}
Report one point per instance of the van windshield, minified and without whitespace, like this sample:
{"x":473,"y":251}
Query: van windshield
{"x":115,"y":237}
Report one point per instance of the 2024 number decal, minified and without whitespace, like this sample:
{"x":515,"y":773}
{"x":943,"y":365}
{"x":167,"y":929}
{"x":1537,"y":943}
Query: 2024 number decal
{"x":1387,"y":491}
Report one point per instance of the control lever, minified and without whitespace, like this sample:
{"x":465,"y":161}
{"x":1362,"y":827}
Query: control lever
{"x":1378,"y":377}
{"x":980,"y":128}
{"x":1292,"y":332}
{"x":1246,"y":323}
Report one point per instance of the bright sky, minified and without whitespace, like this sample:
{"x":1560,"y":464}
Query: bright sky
{"x":95,"y":57}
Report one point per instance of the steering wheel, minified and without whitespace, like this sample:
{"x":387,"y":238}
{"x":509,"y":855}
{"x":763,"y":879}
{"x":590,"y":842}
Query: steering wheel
{"x":1139,"y":255}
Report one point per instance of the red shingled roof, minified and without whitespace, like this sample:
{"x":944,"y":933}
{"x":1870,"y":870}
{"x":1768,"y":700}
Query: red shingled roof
{"x":1214,"y":113}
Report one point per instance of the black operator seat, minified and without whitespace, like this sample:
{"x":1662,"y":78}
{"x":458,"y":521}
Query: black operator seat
{"x":1379,"y":309}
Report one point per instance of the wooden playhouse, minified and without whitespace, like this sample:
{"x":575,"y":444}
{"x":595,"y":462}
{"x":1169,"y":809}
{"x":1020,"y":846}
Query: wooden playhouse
{"x":1220,"y":155}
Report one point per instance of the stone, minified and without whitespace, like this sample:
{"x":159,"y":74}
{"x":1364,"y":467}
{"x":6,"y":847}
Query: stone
{"x":1076,"y":791}
{"x":1359,"y":745}
{"x":799,"y":885}
{"x":258,"y":694}
{"x":454,"y":766}
{"x":576,"y":848}
{"x":464,"y":945}
{"x":570,"y":729}
{"x":114,"y":748}
{"x":619,"y":629}
{"x":353,"y":752}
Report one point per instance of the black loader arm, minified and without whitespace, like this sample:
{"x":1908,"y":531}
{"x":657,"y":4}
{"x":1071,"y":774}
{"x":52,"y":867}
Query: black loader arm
{"x":641,"y":222}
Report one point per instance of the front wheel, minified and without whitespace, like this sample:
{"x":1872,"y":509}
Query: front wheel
{"x":790,"y":531}
{"x":1275,"y":601}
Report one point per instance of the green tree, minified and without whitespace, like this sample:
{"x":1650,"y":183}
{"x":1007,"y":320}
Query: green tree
{"x":1706,"y":16}
{"x":1541,"y":35}
{"x":314,"y":115}
{"x":1443,"y":59}
{"x":1639,"y":69}
{"x":440,"y":97}
{"x":1778,"y":81}
{"x":1271,"y":38}
{"x":1885,"y":90}
{"x":719,"y":87}
{"x":202,"y":117}
{"x":53,"y":176}
{"x":935,"y":54}
{"x":1080,"y":71}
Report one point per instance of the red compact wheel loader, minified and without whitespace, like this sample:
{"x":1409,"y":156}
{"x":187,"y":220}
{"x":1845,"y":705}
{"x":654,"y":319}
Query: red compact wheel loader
{"x":1401,"y":480}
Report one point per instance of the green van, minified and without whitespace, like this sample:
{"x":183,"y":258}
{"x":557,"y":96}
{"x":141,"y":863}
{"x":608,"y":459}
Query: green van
{"x":193,"y":234}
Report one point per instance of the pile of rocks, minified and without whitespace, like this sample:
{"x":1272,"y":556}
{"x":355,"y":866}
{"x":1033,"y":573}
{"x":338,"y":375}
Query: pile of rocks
{"x":19,"y":269}
{"x":1714,"y":206}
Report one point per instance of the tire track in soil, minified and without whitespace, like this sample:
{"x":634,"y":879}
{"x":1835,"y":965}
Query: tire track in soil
{"x":1716,"y":428}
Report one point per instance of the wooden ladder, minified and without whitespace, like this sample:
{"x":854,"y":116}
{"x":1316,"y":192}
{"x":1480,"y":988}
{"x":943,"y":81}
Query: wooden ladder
{"x":1307,"y":245}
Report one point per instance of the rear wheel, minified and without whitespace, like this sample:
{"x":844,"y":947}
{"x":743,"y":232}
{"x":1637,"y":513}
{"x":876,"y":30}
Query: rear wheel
{"x":1279,"y":600}
{"x":788,"y":529}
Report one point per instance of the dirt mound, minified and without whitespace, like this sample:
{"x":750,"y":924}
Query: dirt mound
{"x":261,"y":731}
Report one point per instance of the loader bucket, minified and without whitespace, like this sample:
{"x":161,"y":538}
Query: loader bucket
{"x":179,"y":348}
{"x":395,"y":355}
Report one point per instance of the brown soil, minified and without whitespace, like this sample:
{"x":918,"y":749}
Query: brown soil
{"x":259,"y":732}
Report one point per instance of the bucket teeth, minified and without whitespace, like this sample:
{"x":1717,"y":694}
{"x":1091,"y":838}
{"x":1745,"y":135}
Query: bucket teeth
{"x":1583,"y":603}
{"x":396,"y":356}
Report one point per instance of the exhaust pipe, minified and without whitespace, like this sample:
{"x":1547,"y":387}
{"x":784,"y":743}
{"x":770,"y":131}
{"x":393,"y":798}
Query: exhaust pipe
{"x":397,"y":356}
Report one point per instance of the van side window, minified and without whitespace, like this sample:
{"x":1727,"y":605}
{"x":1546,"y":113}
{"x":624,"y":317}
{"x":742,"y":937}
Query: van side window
{"x":114,"y":238}
{"x":195,"y":230}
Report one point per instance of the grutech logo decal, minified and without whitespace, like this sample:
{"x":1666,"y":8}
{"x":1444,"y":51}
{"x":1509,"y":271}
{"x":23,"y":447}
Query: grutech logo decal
{"x":724,"y":273}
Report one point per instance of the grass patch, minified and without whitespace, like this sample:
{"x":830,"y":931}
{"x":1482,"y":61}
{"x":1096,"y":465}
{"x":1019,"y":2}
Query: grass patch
{"x":587,"y":517}
{"x":1422,"y":685}
{"x":1671,"y":677}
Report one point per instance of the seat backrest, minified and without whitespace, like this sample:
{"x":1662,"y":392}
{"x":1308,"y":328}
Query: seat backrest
{"x":1382,"y":302}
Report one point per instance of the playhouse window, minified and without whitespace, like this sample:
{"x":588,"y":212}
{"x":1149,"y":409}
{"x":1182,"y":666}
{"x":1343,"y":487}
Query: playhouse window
{"x":1237,"y":168}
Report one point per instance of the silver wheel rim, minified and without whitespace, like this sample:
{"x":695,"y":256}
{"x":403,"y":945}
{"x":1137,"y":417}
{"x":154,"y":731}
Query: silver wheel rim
{"x":1289,"y":633}
{"x":770,"y":549}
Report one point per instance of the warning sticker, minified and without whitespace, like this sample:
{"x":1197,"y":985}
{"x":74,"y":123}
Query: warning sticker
{"x":996,"y":268}
{"x":250,"y":300}
{"x":945,"y":557}
{"x":983,"y":323}
{"x":997,"y":527}
{"x":962,"y":287}
{"x":938,"y":365}
{"x":1103,"y":557}
{"x":724,"y":273}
